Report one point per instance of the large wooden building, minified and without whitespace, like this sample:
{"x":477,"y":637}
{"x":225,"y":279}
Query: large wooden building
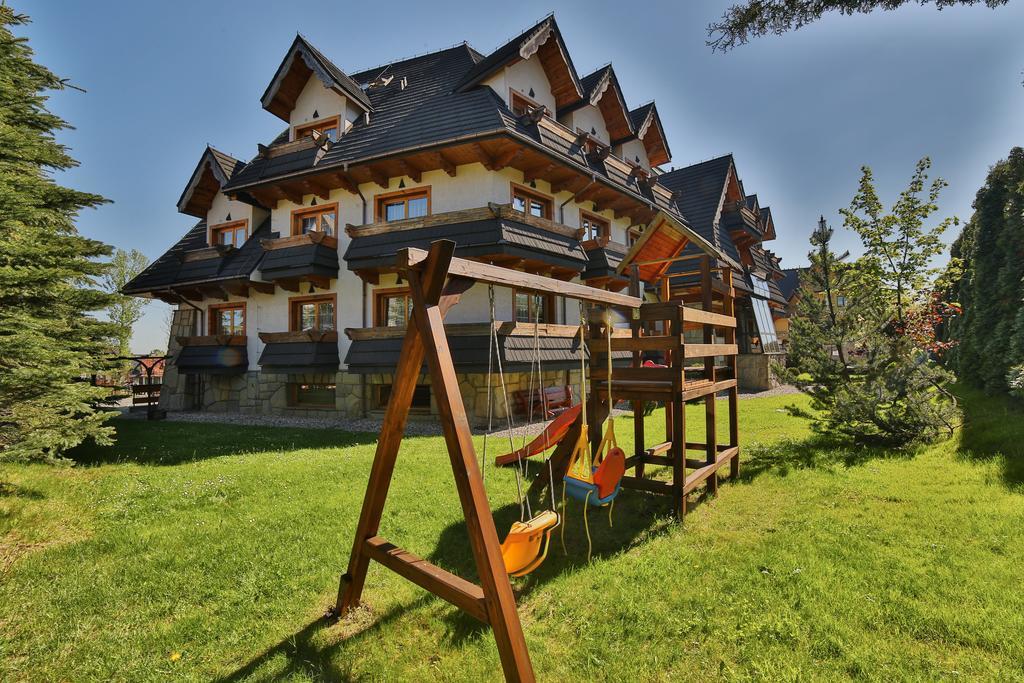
{"x":285,"y":293}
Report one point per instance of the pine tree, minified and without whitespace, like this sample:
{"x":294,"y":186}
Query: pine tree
{"x":49,"y":344}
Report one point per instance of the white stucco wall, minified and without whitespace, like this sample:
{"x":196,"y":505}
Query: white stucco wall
{"x":587,"y":118}
{"x":631,"y":151}
{"x":325,"y":103}
{"x":523,"y":76}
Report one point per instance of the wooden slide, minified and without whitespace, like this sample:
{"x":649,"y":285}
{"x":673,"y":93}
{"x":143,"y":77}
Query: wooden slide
{"x":552,"y":434}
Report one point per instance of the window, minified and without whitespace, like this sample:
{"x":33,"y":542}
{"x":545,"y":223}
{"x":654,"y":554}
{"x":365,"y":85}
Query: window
{"x":530,"y":202}
{"x":763,"y":315}
{"x":227,"y":319}
{"x":393,"y":307}
{"x":303,"y":395}
{"x":396,"y":206}
{"x":420,"y":398}
{"x":528,"y":305}
{"x":231,"y":234}
{"x":313,"y":313}
{"x":520,"y":104}
{"x":841,"y":301}
{"x":329,"y":127}
{"x":632,"y":235}
{"x":594,"y":227}
{"x":323,"y":218}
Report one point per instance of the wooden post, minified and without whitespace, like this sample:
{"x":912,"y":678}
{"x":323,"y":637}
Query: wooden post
{"x":711,"y":439}
{"x":729,"y":308}
{"x":636,"y":328}
{"x":678,"y":415}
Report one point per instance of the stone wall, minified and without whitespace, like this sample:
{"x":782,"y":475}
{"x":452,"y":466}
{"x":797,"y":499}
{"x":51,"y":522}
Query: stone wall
{"x":173,"y":392}
{"x":754,"y":371}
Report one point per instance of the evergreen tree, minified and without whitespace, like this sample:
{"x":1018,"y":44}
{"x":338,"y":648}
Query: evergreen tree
{"x":991,"y":287}
{"x":868,"y":365}
{"x":49,"y":345}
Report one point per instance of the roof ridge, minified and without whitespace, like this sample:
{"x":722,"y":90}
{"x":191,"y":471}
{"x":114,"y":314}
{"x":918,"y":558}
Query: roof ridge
{"x":384,"y":65}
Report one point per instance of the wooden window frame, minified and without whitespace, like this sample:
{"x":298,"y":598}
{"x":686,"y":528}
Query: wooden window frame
{"x":379,"y":296}
{"x":299,"y":214}
{"x":303,"y":129}
{"x":514,"y":95}
{"x":546,"y":199}
{"x":213,"y":310}
{"x":224,"y":227}
{"x":407,"y":194}
{"x":606,"y":233}
{"x":549,"y":306}
{"x":295,"y":301}
{"x":293,"y":396}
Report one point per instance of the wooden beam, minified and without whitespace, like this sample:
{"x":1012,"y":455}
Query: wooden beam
{"x":531,"y":174}
{"x":262,"y":287}
{"x":378,"y":176}
{"x":288,"y":193}
{"x":485,"y":158}
{"x":445,"y":163}
{"x":316,"y":188}
{"x":412,"y":259}
{"x":507,"y":157}
{"x":416,"y":174}
{"x":342,"y":180}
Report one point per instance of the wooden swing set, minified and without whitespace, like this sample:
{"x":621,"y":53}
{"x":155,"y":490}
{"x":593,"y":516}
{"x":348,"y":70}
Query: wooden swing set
{"x":436,"y":282}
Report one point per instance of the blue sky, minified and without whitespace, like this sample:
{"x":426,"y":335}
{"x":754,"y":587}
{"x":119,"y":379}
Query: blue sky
{"x":801,"y":112}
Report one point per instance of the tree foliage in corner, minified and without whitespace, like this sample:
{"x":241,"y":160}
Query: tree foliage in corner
{"x":48,"y":340}
{"x":756,"y":18}
{"x":990,"y":335}
{"x":124,"y":311}
{"x":869,"y":364}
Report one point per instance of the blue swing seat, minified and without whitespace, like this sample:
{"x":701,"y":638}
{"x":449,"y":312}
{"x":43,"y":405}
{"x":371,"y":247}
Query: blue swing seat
{"x":580,"y":489}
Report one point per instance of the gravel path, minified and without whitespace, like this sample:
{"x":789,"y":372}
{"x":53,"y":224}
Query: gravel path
{"x":415,"y":427}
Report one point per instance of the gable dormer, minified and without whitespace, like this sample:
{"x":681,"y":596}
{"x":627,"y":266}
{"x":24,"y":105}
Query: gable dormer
{"x":229,"y":222}
{"x":650,"y":134}
{"x":532,"y":69}
{"x":313,"y":95}
{"x":602,"y":111}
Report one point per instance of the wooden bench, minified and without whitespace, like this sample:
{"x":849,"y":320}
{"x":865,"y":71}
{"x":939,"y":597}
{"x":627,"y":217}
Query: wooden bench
{"x":557,"y":400}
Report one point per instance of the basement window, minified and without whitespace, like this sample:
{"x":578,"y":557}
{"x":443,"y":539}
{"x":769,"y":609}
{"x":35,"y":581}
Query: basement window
{"x":308,"y":395}
{"x":420,"y":398}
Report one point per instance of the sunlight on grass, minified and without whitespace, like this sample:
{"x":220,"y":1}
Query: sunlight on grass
{"x":211,"y":551}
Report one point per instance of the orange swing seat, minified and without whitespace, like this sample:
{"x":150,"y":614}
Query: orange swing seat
{"x":526,"y":545}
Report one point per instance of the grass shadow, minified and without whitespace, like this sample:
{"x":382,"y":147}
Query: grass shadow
{"x":9,"y":490}
{"x":175,"y":443}
{"x":817,"y":451}
{"x":993,"y":428}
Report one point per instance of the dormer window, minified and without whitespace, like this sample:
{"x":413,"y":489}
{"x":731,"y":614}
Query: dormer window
{"x":330,"y":126}
{"x":520,"y":104}
{"x":323,"y":218}
{"x":231,"y":234}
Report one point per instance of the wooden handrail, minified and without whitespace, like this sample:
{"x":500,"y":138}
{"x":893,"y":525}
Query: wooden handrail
{"x":213,"y":340}
{"x":490,"y":211}
{"x":294,"y":337}
{"x":504,"y":328}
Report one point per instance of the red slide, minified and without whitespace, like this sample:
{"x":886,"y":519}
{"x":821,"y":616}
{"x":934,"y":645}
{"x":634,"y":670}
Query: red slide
{"x":551,"y":435}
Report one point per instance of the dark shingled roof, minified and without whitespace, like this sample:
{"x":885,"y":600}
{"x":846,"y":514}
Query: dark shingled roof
{"x":473,"y":238}
{"x":300,"y":357}
{"x":699,"y":190}
{"x":640,"y":114}
{"x":789,"y":284}
{"x":212,"y":360}
{"x":172,"y":269}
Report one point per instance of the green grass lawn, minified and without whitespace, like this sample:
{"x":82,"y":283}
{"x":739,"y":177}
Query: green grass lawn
{"x":224,"y":545}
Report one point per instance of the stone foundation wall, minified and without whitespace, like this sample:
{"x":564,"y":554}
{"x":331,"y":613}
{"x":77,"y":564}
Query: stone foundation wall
{"x":754,"y":371}
{"x":173,"y":392}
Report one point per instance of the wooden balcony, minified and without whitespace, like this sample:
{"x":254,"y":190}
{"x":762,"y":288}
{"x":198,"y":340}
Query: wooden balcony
{"x":312,"y":257}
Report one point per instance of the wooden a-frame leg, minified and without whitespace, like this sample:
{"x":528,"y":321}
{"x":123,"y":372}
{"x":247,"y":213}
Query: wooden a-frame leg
{"x":483,"y":536}
{"x":350,"y":587}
